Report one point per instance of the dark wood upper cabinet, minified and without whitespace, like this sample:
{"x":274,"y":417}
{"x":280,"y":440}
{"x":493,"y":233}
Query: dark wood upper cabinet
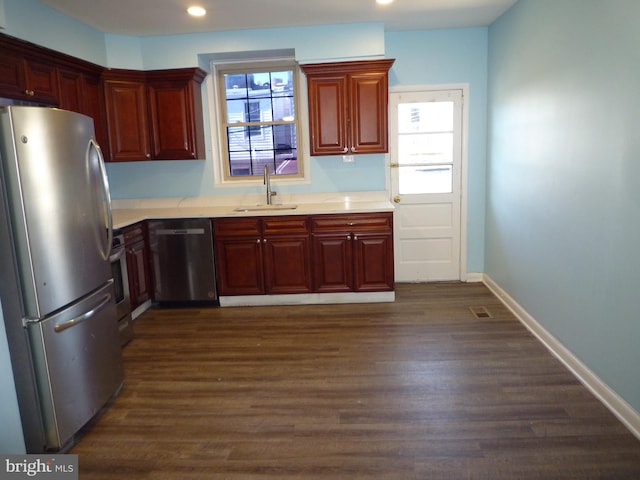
{"x":175,"y":108}
{"x":41,"y":81}
{"x":154,"y":115}
{"x":71,"y":89}
{"x":11,"y":74}
{"x":27,"y":78}
{"x":348,"y":104}
{"x":37,"y":74}
{"x":127,"y":116}
{"x":93,"y":105}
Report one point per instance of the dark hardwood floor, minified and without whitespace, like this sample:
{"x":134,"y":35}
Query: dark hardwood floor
{"x":418,"y":389}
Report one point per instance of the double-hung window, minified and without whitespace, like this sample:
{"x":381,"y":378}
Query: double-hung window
{"x":258,"y":120}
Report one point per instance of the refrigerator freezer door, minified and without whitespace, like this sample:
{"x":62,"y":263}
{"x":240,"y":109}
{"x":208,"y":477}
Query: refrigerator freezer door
{"x":59,"y":205}
{"x":78,"y":363}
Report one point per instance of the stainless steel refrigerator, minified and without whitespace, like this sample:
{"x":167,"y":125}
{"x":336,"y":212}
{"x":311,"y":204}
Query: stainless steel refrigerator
{"x":55,"y":285}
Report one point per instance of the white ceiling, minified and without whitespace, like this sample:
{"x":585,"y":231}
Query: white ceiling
{"x":164,"y":17}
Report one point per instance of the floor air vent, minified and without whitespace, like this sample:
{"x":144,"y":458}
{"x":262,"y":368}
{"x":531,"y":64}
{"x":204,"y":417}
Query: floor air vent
{"x":480,"y":312}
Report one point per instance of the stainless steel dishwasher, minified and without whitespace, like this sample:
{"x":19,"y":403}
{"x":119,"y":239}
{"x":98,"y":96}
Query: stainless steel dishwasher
{"x":183,"y":262}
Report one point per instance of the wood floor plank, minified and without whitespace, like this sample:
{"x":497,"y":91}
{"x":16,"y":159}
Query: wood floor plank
{"x":416,"y":389}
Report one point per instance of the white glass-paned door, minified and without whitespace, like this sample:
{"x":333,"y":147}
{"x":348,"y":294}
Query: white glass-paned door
{"x":426,"y":158}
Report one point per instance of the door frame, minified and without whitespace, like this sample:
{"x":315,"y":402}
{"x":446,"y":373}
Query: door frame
{"x":464,"y":87}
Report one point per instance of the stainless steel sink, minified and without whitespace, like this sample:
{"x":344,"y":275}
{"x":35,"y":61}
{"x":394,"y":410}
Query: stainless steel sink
{"x":263,"y":208}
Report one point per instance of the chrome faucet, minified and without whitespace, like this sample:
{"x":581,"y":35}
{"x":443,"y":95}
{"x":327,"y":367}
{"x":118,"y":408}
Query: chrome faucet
{"x":267,"y":182}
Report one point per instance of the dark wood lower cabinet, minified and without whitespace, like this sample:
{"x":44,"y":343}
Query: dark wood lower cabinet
{"x":353,"y":253}
{"x":257,"y":256}
{"x":373,"y":262}
{"x":333,"y":260}
{"x":304,"y":254}
{"x":287,"y":264}
{"x":138,"y":264}
{"x":239,"y":265}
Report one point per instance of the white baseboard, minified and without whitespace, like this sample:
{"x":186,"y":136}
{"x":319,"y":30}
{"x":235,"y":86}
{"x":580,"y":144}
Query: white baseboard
{"x":472,"y":277}
{"x":141,"y":309}
{"x":307,"y":299}
{"x":614,"y":402}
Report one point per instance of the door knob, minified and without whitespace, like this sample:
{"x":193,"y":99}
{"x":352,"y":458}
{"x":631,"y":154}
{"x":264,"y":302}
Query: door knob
{"x":396,"y":199}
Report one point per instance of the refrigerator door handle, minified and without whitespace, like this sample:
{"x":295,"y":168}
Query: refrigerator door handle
{"x":105,"y":190}
{"x":85,"y":316}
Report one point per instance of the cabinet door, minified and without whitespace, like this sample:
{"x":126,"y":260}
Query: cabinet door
{"x":373,"y":262}
{"x":239,"y":265}
{"x":127,"y":120}
{"x":328,"y":117}
{"x":70,"y":83}
{"x":138,"y":274}
{"x":368,"y":107}
{"x":42,"y":82}
{"x":28,"y":79}
{"x":333,"y":263}
{"x":348,"y":106}
{"x":286,"y":264}
{"x":93,"y":105}
{"x":173,"y":129}
{"x":12,"y":81}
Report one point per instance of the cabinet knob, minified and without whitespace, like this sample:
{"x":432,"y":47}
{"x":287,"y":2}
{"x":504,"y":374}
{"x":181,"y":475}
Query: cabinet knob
{"x":353,"y":149}
{"x":258,"y":241}
{"x":348,"y":237}
{"x":148,"y":155}
{"x":346,"y":150}
{"x":31,"y":93}
{"x":355,"y":237}
{"x":264,"y":241}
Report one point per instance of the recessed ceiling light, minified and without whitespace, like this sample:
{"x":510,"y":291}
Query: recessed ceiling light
{"x":384,"y":2}
{"x":196,"y":11}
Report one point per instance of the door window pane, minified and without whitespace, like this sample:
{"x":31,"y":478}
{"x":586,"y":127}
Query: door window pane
{"x":425,"y":147}
{"x":425,"y":117}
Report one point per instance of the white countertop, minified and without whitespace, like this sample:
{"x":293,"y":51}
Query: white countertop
{"x":130,"y":211}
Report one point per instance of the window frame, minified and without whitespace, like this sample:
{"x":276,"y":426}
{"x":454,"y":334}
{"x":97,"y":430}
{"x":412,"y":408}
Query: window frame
{"x":222,"y":173}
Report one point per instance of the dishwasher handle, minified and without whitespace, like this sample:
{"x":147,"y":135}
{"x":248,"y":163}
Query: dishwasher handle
{"x":179,"y":231}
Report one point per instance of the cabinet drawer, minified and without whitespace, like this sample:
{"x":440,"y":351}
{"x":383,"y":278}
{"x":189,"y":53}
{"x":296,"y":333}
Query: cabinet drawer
{"x":134,"y":233}
{"x":289,"y":224}
{"x":353,"y":223}
{"x":231,"y":227}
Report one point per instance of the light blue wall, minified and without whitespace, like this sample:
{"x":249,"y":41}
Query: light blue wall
{"x":312,"y":44}
{"x":446,"y":57}
{"x":37,"y":23}
{"x":563,"y":192}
